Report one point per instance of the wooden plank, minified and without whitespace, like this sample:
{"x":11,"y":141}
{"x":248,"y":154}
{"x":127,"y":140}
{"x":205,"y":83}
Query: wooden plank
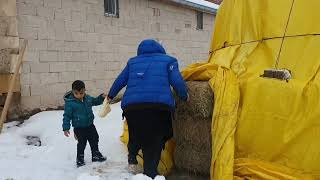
{"x":13,"y":62}
{"x":9,"y":42}
{"x":12,"y":84}
{"x":8,"y":8}
{"x":5,"y":81}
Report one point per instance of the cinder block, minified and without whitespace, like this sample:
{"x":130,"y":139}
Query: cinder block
{"x":93,"y":37}
{"x":49,"y":56}
{"x":97,"y":75}
{"x":49,"y":78}
{"x":80,"y":56}
{"x":66,"y":77}
{"x":30,"y":102}
{"x":26,"y":9}
{"x":54,"y":45}
{"x":87,"y":27}
{"x":101,"y":84}
{"x":79,"y":36}
{"x":58,"y":88}
{"x":63,"y":14}
{"x":48,"y":101}
{"x":78,"y":16}
{"x":88,"y":66}
{"x":38,"y":90}
{"x":72,"y":4}
{"x":72,"y":26}
{"x":74,"y":66}
{"x":31,"y":56}
{"x":46,"y":12}
{"x":101,"y":28}
{"x":31,"y":21}
{"x":35,"y":78}
{"x":25,"y":79}
{"x":26,"y":68}
{"x":28,"y":32}
{"x":39,"y":67}
{"x":25,"y":90}
{"x":103,"y":47}
{"x":35,"y":45}
{"x":93,"y":18}
{"x":82,"y":75}
{"x":58,"y":67}
{"x":53,"y":3}
{"x":9,"y":42}
{"x":113,"y":66}
{"x":75,"y":56}
{"x":35,"y":3}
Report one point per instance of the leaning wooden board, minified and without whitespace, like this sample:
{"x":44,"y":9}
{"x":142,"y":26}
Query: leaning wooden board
{"x":12,"y":84}
{"x":5,"y":80}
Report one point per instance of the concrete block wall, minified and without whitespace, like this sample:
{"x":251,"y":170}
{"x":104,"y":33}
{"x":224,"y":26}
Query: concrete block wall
{"x":72,"y":39}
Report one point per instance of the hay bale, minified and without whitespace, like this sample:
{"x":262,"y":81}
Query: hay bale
{"x":193,"y":132}
{"x":191,"y":160}
{"x":200,"y":100}
{"x":192,"y":129}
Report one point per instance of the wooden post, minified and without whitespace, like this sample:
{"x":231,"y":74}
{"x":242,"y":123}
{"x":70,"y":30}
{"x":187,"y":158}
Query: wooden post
{"x":10,"y":92}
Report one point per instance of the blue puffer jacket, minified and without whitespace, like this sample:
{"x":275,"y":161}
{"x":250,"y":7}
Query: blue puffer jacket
{"x":149,"y":77}
{"x":78,"y":112}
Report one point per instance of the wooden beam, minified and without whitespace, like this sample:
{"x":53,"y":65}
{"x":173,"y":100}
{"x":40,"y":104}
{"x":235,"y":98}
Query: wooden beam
{"x":5,"y":80}
{"x":12,"y":82}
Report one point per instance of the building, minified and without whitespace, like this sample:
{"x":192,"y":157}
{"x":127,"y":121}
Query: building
{"x":92,"y":40}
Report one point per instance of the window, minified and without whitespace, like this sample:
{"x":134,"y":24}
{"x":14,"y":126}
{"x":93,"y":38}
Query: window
{"x":111,"y":8}
{"x":199,"y":20}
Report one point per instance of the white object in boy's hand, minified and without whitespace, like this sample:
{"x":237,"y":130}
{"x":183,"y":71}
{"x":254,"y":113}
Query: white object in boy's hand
{"x":105,"y":108}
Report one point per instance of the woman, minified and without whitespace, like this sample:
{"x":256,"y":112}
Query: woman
{"x":148,"y":101}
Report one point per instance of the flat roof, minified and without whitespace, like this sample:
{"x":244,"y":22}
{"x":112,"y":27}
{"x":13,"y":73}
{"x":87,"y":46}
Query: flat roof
{"x":201,"y":5}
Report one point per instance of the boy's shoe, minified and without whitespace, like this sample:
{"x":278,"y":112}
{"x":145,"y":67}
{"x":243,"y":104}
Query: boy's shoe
{"x":132,"y":160}
{"x":80,"y":161}
{"x":97,"y":157}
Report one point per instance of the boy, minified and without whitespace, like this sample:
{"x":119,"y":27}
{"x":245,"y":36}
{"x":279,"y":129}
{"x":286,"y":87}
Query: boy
{"x":78,"y":111}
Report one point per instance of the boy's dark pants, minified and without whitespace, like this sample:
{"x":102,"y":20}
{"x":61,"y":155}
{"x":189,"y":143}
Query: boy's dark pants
{"x":87,"y":134}
{"x":148,"y":130}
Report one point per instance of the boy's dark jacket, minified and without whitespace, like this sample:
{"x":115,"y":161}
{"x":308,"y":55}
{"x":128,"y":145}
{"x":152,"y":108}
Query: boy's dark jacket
{"x":78,"y":112}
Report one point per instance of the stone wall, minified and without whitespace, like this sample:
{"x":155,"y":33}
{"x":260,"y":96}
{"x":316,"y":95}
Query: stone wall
{"x":72,"y":39}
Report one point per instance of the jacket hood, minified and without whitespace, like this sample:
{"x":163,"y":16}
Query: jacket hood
{"x":150,"y":46}
{"x":69,"y":97}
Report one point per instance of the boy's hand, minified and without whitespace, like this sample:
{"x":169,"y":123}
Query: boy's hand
{"x":104,"y":95}
{"x":66,"y":133}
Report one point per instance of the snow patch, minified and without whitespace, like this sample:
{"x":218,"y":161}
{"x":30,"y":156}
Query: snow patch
{"x":144,"y":177}
{"x":86,"y":176}
{"x":56,"y":157}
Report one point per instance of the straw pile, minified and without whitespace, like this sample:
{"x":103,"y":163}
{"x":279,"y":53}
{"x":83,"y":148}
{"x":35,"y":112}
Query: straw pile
{"x":192,"y":129}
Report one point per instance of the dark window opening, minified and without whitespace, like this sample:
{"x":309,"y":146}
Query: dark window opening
{"x":199,"y":20}
{"x":111,"y":8}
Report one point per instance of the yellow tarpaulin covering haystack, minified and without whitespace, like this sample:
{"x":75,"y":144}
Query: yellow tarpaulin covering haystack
{"x":166,"y":162}
{"x":264,"y":128}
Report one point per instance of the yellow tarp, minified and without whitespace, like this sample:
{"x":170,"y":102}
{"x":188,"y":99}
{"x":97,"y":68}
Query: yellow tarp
{"x":264,"y":128}
{"x":166,"y":162}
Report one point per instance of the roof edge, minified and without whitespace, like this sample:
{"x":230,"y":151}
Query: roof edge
{"x":212,"y":9}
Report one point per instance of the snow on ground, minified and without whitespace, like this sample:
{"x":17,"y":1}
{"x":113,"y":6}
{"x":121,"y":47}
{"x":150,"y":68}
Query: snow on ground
{"x":55,"y":158}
